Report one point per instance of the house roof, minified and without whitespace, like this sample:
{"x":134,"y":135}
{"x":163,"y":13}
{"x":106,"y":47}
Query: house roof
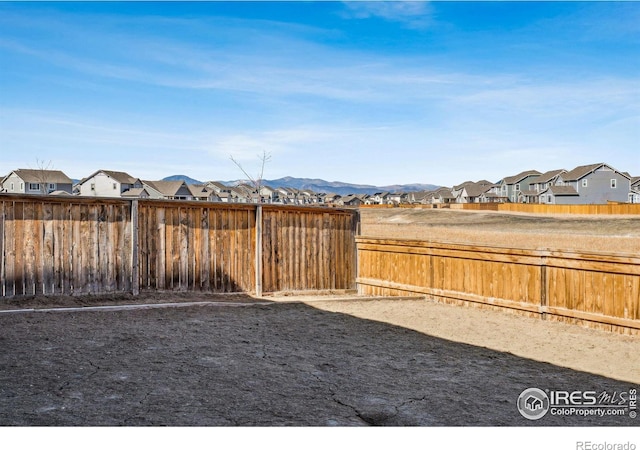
{"x":444,"y":193}
{"x":562,"y":190}
{"x":581,"y":171}
{"x":120,"y":177}
{"x":529,"y":192}
{"x":40,"y":176}
{"x":477,"y":189}
{"x":168,"y":188}
{"x":547,"y":176}
{"x":217,"y":185}
{"x":462,"y":185}
{"x":521,"y":176}
{"x":635,"y":181}
{"x":134,"y":192}
{"x":199,"y":190}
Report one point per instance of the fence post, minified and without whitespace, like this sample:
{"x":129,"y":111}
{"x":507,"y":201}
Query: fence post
{"x":544,"y":287}
{"x":135,"y":276}
{"x":259,"y":251}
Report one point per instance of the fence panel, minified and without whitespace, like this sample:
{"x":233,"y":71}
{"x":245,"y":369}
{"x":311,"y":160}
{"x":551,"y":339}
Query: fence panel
{"x":56,"y":246}
{"x":594,"y":288}
{"x":308,"y":249}
{"x":194,"y":246}
{"x":611,"y":208}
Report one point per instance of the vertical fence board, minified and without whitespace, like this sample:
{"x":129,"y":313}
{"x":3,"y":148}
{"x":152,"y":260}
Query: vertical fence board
{"x":49,"y":250}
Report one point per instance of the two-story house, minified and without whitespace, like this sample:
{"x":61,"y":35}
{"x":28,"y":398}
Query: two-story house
{"x":107,"y":183}
{"x":37,"y":181}
{"x":470,"y":191}
{"x":539,"y":184}
{"x":590,"y":184}
{"x":510,"y":187}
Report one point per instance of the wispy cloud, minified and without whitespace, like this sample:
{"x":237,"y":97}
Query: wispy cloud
{"x":412,"y":14}
{"x":159,"y":93}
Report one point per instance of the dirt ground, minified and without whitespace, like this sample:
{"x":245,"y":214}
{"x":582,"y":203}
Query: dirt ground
{"x":233,"y":360}
{"x":599,"y":233}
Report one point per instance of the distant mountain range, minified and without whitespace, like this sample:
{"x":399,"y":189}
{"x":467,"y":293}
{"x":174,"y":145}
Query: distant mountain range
{"x":184,"y":178}
{"x":318,"y":185}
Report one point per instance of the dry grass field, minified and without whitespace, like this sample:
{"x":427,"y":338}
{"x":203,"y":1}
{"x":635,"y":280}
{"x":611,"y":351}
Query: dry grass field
{"x":593,"y":233}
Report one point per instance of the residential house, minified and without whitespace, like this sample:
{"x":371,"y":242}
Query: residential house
{"x":442,"y":196}
{"x":510,"y":187}
{"x":539,"y":184}
{"x":37,"y":181}
{"x":269,"y":194}
{"x":470,"y":192}
{"x":456,"y":190}
{"x":202,"y":193}
{"x":593,"y":184}
{"x":417,"y":197}
{"x":559,"y":195}
{"x":350,"y":200}
{"x":493,"y":195}
{"x":217,"y":187}
{"x":168,"y":190}
{"x":107,"y":183}
{"x":380,"y":198}
{"x":397,"y":198}
{"x":634,"y":191}
{"x":331,"y":199}
{"x":311,"y":197}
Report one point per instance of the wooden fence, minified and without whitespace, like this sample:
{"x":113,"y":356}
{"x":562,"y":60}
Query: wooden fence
{"x":609,"y":208}
{"x":72,"y":245}
{"x":593,"y":289}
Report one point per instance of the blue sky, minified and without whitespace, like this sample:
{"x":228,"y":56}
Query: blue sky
{"x":377,"y":93}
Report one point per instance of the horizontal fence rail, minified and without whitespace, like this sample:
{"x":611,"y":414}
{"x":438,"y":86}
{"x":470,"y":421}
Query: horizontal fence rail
{"x":60,"y":245}
{"x":597,"y":288}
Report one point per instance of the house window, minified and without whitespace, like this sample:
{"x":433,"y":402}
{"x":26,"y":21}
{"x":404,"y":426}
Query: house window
{"x":34,"y":186}
{"x":21,"y":186}
{"x":115,"y":186}
{"x":11,"y":187}
{"x":613,"y":183}
{"x":93,"y":186}
{"x":517,"y":186}
{"x":52,"y":186}
{"x":584,"y":182}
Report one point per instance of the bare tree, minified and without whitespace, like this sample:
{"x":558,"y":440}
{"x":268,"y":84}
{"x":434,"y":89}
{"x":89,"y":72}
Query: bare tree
{"x":257,"y":181}
{"x":42,"y":172}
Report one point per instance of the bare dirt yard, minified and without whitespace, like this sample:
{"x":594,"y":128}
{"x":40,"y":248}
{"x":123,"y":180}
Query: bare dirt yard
{"x":234,"y":360}
{"x":599,"y":233}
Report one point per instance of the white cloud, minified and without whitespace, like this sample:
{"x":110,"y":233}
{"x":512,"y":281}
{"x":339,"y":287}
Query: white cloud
{"x":412,"y":14}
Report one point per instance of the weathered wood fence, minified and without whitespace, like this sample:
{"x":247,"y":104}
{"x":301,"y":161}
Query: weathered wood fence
{"x":577,"y":287}
{"x":73,"y":245}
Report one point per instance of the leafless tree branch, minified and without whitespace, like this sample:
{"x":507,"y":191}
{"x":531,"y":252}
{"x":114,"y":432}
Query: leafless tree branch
{"x":256,"y":181}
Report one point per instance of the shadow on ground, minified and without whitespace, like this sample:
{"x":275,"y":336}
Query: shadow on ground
{"x":279,"y":364}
